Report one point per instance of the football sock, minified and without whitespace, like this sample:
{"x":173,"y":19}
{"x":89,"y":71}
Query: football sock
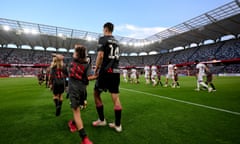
{"x":82,"y":133}
{"x":211,"y":84}
{"x":100,"y":112}
{"x":60,"y":104}
{"x":161,"y":83}
{"x":56,"y":102}
{"x":198,"y":85}
{"x":118,"y":114}
{"x":177,"y":84}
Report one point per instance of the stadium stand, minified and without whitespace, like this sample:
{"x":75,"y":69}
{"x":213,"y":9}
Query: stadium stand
{"x":226,"y":50}
{"x":212,"y":25}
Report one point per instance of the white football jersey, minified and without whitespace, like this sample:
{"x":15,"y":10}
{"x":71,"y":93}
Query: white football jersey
{"x":134,"y":71}
{"x":146,"y":69}
{"x":201,"y":68}
{"x":154,"y":68}
{"x":170,"y":68}
{"x":125,"y":71}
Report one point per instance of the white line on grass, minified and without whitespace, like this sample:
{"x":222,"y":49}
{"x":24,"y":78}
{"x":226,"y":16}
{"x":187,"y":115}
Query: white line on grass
{"x":182,"y":101}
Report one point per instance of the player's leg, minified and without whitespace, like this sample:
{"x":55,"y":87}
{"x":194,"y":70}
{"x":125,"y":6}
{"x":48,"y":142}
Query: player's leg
{"x":204,"y":84}
{"x":125,"y":77}
{"x":174,"y":84}
{"x":100,"y":109}
{"x":60,"y":90}
{"x":166,"y":81}
{"x":147,"y":78}
{"x":83,"y":101}
{"x":59,"y":107}
{"x":114,"y":90}
{"x":56,"y":97}
{"x":211,"y":83}
{"x":77,"y":124}
{"x":198,"y":83}
{"x":117,"y":111}
{"x":154,"y":79}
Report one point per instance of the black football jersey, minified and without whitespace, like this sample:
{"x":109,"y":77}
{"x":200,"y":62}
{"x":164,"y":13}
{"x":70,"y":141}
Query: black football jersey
{"x":109,"y":45}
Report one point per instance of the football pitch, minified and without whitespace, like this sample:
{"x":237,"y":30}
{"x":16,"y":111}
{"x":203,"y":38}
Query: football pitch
{"x":151,"y":115}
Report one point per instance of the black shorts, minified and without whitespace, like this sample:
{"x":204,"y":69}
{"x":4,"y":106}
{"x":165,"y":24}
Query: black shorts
{"x":209,"y":78}
{"x":58,"y":88}
{"x":77,"y":93}
{"x":108,"y":81}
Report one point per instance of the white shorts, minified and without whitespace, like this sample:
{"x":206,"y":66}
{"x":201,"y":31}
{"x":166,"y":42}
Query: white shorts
{"x":170,"y":75}
{"x":200,"y":77}
{"x":133,"y":76}
{"x":146,"y":75}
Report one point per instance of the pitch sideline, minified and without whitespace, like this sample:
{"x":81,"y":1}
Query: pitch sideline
{"x":185,"y":102}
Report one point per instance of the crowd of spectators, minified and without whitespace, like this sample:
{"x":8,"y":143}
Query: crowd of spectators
{"x":220,"y":51}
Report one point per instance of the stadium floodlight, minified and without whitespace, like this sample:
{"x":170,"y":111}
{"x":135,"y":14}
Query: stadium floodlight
{"x":153,"y":53}
{"x":124,"y":54}
{"x":146,"y":43}
{"x":26,"y":31}
{"x":124,"y":43}
{"x":91,"y":52}
{"x":89,"y":38}
{"x":135,"y":44}
{"x":143,"y":54}
{"x":71,"y":50}
{"x":6,"y":28}
{"x":130,"y":44}
{"x":34,"y":32}
{"x":141,"y":44}
{"x":133,"y":54}
{"x":60,"y":35}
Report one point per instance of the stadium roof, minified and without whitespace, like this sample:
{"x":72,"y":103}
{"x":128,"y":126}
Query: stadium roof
{"x":214,"y":24}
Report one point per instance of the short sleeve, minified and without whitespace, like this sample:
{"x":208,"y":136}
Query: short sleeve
{"x":101,"y":44}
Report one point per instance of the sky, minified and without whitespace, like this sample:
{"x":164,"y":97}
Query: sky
{"x":131,"y":18}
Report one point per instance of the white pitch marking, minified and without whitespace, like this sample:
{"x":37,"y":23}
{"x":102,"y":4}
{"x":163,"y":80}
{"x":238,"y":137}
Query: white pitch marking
{"x":186,"y":102}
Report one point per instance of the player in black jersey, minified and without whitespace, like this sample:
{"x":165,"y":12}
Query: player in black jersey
{"x":58,"y":73}
{"x":79,"y":75}
{"x":107,"y":69}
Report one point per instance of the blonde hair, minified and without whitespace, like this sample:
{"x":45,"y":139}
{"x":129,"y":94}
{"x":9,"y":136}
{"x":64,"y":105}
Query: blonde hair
{"x":57,"y":63}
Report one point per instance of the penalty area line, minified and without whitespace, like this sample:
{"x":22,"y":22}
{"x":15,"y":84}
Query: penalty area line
{"x":185,"y":102}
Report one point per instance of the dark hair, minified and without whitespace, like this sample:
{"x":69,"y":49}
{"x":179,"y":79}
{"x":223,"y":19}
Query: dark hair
{"x":196,"y":61}
{"x":109,"y":26}
{"x":81,"y":54}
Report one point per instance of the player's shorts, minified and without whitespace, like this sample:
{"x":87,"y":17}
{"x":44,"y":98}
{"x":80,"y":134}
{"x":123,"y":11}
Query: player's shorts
{"x":209,"y":78}
{"x":146,"y":75}
{"x":200,"y":77}
{"x":175,"y":77}
{"x":170,"y":75}
{"x":108,"y":81}
{"x":77,"y":93}
{"x":133,"y":76}
{"x":153,"y":76}
{"x":58,"y":88}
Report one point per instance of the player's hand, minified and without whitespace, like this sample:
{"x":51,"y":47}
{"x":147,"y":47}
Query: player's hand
{"x":96,"y":72}
{"x":92,"y":77}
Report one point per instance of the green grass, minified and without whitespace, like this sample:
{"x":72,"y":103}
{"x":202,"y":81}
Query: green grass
{"x":27,"y":114}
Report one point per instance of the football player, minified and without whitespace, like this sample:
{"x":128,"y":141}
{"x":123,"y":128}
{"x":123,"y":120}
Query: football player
{"x":170,"y":74}
{"x":107,"y":67}
{"x":201,"y":67}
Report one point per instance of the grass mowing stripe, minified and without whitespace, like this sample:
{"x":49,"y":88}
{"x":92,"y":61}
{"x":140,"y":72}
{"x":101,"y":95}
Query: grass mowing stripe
{"x":186,"y":102}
